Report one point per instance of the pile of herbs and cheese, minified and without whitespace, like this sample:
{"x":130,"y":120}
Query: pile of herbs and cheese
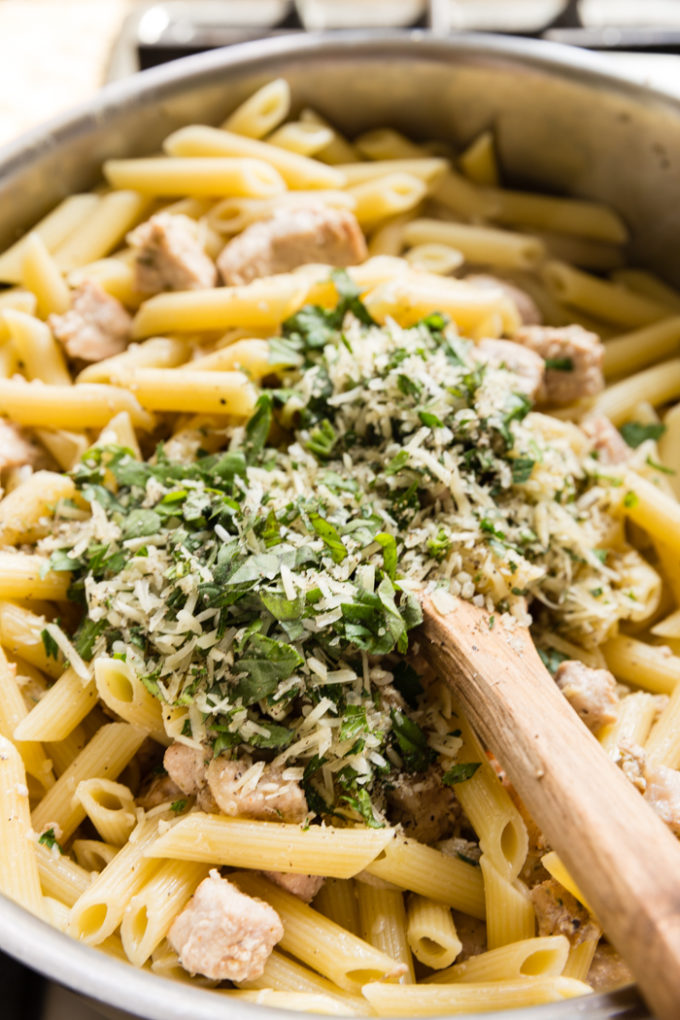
{"x":267,"y":590}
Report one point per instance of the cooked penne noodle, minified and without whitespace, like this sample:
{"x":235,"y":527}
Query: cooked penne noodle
{"x":106,"y":755}
{"x":40,"y":275}
{"x":150,"y":913}
{"x":643,"y":347}
{"x":297,"y":171}
{"x":434,"y":258}
{"x":89,"y":405}
{"x":102,"y":230}
{"x":196,"y":176}
{"x":121,"y":690}
{"x":428,"y":1000}
{"x":60,"y":709}
{"x":655,"y":511}
{"x":499,"y":825}
{"x":262,"y":112}
{"x":338,"y":149}
{"x":93,"y":855}
{"x":304,"y":138}
{"x":644,"y":282}
{"x":385,"y":143}
{"x":40,"y":355}
{"x":312,"y":938}
{"x":60,"y":877}
{"x":158,"y":352}
{"x":654,"y":668}
{"x":636,"y":714}
{"x":241,"y":843}
{"x":26,"y":512}
{"x":12,"y":711}
{"x":99,"y":911}
{"x":662,"y":746}
{"x":554,"y":866}
{"x":310,"y":1002}
{"x":18,"y":866}
{"x":509,"y":912}
{"x":429,"y":170}
{"x":109,"y":806}
{"x":591,"y":220}
{"x":286,"y":975}
{"x":382,"y":923}
{"x":209,"y":392}
{"x":261,"y":303}
{"x":478,"y":162}
{"x":337,"y":900}
{"x":52,"y":230}
{"x":386,"y":196}
{"x":21,"y":634}
{"x":601,"y":298}
{"x":24,"y":576}
{"x":534,"y":957}
{"x":657,"y":385}
{"x":431,"y":933}
{"x":478,"y":244}
{"x":424,"y":870}
{"x":580,"y":960}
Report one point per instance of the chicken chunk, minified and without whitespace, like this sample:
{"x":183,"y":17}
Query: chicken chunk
{"x":169,"y":255}
{"x":188,"y":768}
{"x":160,"y":790}
{"x":472,"y":933}
{"x":573,"y":359}
{"x":265,"y":794}
{"x":608,"y":970}
{"x":663,"y":794}
{"x":590,"y":692}
{"x":560,"y":913}
{"x":15,"y":448}
{"x":426,"y":808}
{"x":293,"y":237}
{"x":224,"y":934}
{"x":527,"y":309}
{"x":527,"y":366}
{"x":608,"y":443}
{"x":305,"y":887}
{"x":95,"y":327}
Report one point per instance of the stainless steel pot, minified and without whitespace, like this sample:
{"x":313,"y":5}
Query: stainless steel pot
{"x":561,"y":125}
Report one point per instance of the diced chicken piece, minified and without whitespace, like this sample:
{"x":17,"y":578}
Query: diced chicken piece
{"x":188,"y":768}
{"x":169,"y":255}
{"x":560,"y":913}
{"x":160,"y":790}
{"x":15,"y":448}
{"x":458,"y":847}
{"x":663,"y":794}
{"x":472,"y":933}
{"x":258,"y":794}
{"x":426,"y":808}
{"x":608,"y":443}
{"x":574,"y":359}
{"x":527,"y":366}
{"x":608,"y":970}
{"x":632,"y":761}
{"x":291,"y":238}
{"x":305,"y":887}
{"x":590,"y":692}
{"x":224,"y":934}
{"x":527,"y":309}
{"x":95,"y":327}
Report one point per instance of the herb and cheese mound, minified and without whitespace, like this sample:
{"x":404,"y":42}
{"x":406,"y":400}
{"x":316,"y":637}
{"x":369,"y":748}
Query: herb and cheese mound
{"x":265,"y":592}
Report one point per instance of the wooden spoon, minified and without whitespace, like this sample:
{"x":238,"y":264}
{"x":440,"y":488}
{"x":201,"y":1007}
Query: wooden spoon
{"x":621,"y":855}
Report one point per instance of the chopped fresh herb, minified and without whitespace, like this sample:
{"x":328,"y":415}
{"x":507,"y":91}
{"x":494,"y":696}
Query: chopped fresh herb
{"x":178,"y":806}
{"x":397,"y":463}
{"x":630,"y":500}
{"x":257,"y":429}
{"x":431,"y":420}
{"x":636,"y":432}
{"x":551,"y":658}
{"x":460,"y":773}
{"x":49,"y":644}
{"x":330,"y":536}
{"x":49,"y":839}
{"x":407,"y":682}
{"x":322,"y":440}
{"x":438,"y":547}
{"x":354,"y":722}
{"x":411,"y":742}
{"x":559,"y":364}
{"x":86,"y":636}
{"x":659,"y":467}
{"x":521,"y":470}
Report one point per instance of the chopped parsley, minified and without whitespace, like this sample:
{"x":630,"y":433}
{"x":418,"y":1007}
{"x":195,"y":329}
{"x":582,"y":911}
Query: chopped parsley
{"x":635,"y":432}
{"x":460,"y":773}
{"x":49,"y":839}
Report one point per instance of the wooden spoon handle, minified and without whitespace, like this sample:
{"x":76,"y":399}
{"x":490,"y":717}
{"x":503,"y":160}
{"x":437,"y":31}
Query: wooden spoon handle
{"x":619,"y":852}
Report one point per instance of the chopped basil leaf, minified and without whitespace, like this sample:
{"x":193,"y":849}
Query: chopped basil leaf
{"x":635,"y":432}
{"x":460,"y":773}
